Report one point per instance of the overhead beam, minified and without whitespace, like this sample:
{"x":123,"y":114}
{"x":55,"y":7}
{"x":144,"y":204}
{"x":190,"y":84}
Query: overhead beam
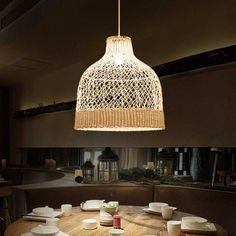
{"x":206,"y":59}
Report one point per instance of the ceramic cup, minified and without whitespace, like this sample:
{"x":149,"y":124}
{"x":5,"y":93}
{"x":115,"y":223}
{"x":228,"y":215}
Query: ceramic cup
{"x":66,"y":209}
{"x":116,"y":232}
{"x":174,"y":227}
{"x":52,"y":221}
{"x":166,"y":212}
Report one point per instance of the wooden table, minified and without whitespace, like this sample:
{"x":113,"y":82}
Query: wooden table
{"x":134,"y":222}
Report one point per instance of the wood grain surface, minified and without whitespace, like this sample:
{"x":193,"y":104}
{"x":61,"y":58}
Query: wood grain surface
{"x":134,"y":221}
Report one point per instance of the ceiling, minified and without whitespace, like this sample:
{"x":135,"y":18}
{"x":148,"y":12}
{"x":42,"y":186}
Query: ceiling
{"x":3,"y":4}
{"x":58,"y":33}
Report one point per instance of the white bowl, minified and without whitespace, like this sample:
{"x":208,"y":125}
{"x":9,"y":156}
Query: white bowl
{"x":156,"y":206}
{"x":43,"y":211}
{"x":89,"y":224}
{"x":116,"y":232}
{"x":94,"y":203}
{"x":45,"y":230}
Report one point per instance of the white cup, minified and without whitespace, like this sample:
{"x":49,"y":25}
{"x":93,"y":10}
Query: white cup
{"x":116,"y":232}
{"x":166,"y":212}
{"x":66,"y":209}
{"x":52,"y":221}
{"x":174,"y":227}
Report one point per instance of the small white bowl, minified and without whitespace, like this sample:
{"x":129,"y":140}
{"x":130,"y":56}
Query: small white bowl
{"x":156,"y":206}
{"x":116,"y":232}
{"x":89,"y":224}
{"x":43,"y":211}
{"x":45,"y":230}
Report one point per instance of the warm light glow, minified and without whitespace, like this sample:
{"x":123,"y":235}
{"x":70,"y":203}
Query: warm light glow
{"x":119,"y":59}
{"x":119,"y":92}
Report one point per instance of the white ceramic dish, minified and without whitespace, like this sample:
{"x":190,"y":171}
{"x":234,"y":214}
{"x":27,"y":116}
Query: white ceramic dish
{"x":45,"y":230}
{"x":95,"y":202}
{"x":85,"y":207}
{"x":43,"y":211}
{"x":32,"y":217}
{"x":158,"y":212}
{"x":89,"y":224}
{"x":116,"y":232}
{"x":209,"y":228}
{"x":156,"y":206}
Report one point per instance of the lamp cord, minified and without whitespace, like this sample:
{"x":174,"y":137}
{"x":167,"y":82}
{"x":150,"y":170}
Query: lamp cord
{"x":118,"y":17}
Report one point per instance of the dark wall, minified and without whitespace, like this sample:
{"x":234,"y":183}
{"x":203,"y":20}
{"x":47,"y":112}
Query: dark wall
{"x":4,"y":122}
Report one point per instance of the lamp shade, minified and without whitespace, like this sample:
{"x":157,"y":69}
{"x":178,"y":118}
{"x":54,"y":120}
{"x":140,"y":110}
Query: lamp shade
{"x":119,"y":92}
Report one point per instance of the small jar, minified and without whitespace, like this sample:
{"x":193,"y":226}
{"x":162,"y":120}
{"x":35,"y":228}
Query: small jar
{"x":117,"y":221}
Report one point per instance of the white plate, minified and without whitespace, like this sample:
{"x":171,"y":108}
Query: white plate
{"x":60,"y":233}
{"x":148,"y":210}
{"x":208,"y":229}
{"x":86,"y":207}
{"x":31,"y":216}
{"x":95,"y":202}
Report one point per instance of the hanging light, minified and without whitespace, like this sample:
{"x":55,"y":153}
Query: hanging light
{"x":119,"y":92}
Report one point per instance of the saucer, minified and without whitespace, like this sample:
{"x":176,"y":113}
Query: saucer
{"x":149,"y":210}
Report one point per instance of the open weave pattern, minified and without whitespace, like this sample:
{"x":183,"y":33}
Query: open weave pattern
{"x":118,"y":81}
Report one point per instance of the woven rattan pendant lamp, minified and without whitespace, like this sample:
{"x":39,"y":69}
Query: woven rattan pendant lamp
{"x":119,"y":92}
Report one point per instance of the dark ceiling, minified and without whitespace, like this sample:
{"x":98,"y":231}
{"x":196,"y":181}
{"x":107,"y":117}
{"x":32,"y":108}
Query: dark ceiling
{"x":58,"y":33}
{"x":4,"y":3}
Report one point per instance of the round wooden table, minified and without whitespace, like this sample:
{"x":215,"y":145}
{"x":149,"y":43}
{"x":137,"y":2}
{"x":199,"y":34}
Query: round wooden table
{"x":134,"y":221}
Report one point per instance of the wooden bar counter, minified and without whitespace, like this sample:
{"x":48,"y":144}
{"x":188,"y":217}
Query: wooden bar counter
{"x":134,"y":221}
